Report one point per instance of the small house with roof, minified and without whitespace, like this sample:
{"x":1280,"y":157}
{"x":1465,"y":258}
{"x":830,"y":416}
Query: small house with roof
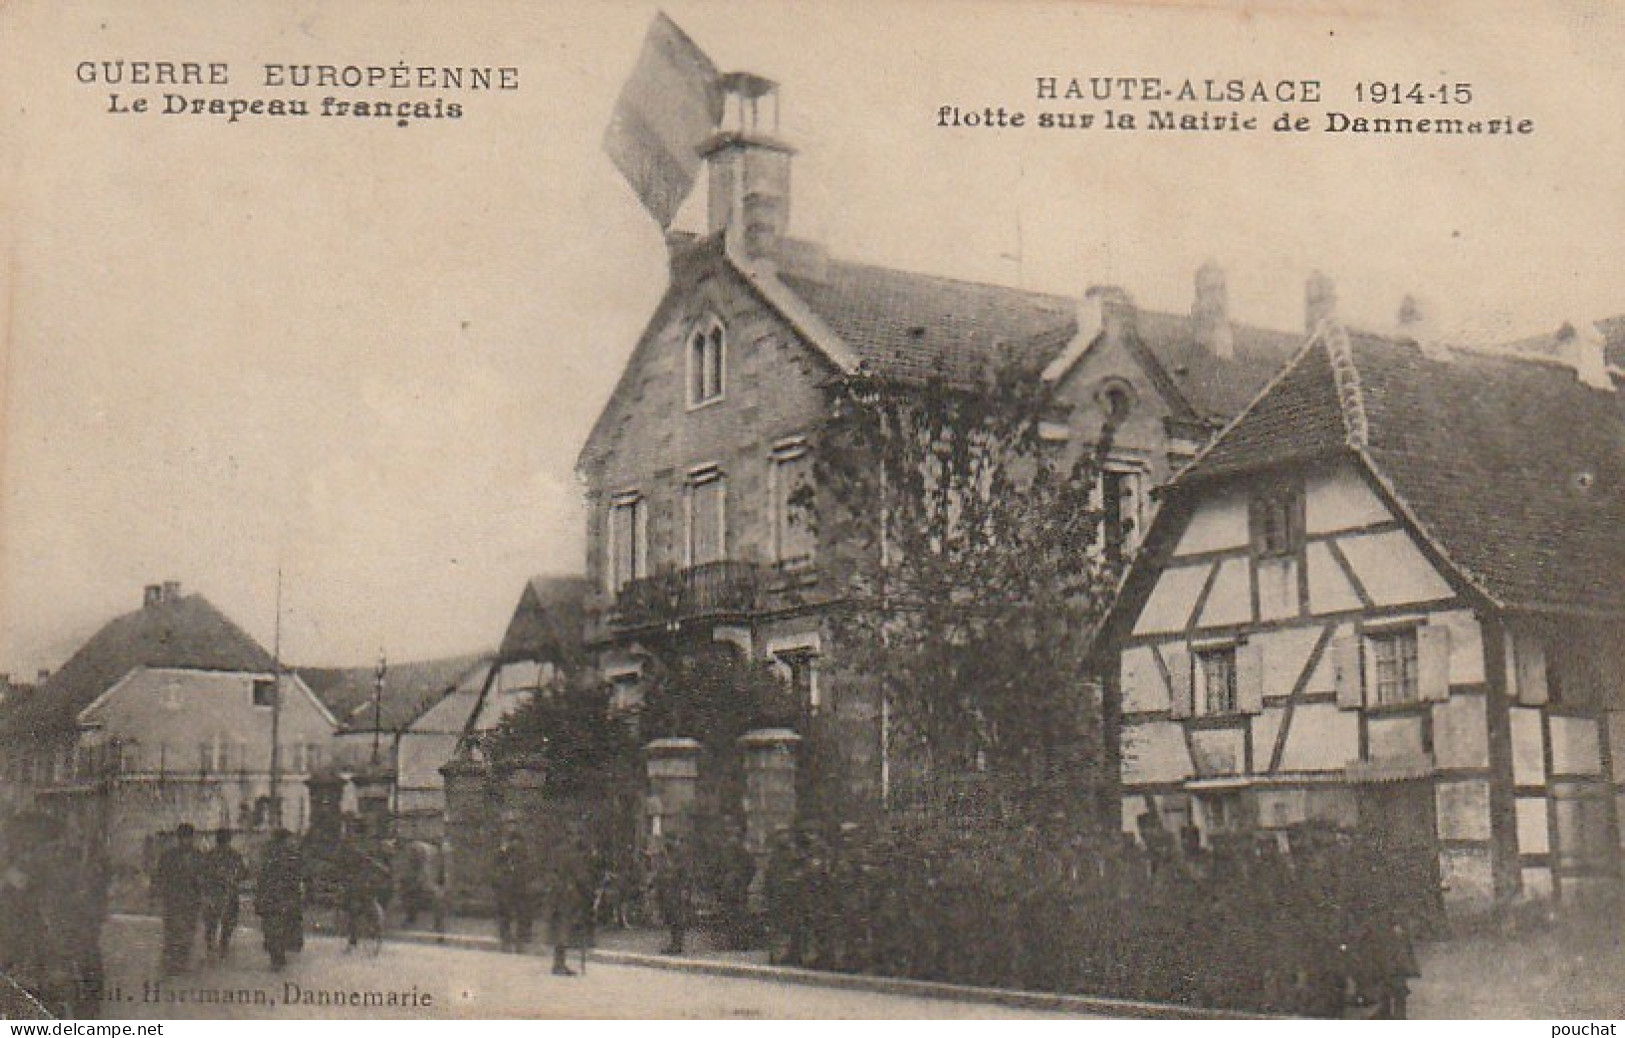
{"x":1390,"y":597}
{"x":395,"y":728}
{"x":166,"y":716}
{"x":698,"y":466}
{"x":542,"y":646}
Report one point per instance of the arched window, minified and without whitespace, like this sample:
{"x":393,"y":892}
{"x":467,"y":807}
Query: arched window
{"x":1115,"y":397}
{"x":707,"y":348}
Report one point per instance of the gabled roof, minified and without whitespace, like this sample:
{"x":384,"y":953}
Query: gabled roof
{"x":547,"y":623}
{"x":1510,"y":468}
{"x":410,"y":690}
{"x":185,"y":632}
{"x":914,"y":327}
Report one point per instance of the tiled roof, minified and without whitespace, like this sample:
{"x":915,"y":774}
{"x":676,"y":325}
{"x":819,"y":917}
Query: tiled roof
{"x":1513,"y":468}
{"x":916,"y":327}
{"x":1217,"y":388}
{"x":547,"y":623}
{"x":410,"y":689}
{"x":1297,"y":418}
{"x":186,"y":632}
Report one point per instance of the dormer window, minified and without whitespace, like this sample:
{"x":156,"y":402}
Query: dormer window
{"x":707,"y":349}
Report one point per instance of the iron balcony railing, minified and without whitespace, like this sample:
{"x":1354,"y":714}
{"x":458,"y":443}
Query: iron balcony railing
{"x":727,"y":587}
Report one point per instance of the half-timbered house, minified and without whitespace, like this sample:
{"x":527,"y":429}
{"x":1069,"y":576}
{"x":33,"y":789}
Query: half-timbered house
{"x":1391,"y":596}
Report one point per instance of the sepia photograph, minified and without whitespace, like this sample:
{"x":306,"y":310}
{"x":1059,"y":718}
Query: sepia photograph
{"x":977,"y":509}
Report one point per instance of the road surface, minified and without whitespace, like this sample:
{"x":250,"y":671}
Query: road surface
{"x":417,"y":981}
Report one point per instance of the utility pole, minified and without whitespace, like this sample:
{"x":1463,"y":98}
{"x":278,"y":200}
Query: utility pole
{"x":378,"y":705}
{"x":276,"y":709}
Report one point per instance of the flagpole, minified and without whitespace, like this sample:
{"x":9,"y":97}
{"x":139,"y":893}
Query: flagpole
{"x":276,"y":709}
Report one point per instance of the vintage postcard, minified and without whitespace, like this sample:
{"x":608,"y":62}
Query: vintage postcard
{"x":804,"y":510}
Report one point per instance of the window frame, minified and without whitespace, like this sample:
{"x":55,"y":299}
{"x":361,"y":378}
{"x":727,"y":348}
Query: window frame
{"x":1282,"y":502}
{"x":706,"y":360}
{"x":1120,"y":473}
{"x":806,"y":650}
{"x":1405,"y":643}
{"x":780,"y":459}
{"x":254,"y":693}
{"x":1201,"y":688}
{"x":699,"y":478}
{"x":634,"y":504}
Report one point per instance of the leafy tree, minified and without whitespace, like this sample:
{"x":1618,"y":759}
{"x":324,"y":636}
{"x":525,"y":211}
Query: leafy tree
{"x":570,"y":730}
{"x":715,"y":695}
{"x":968,"y":556}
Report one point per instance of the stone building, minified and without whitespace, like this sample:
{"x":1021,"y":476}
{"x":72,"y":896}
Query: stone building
{"x":165,"y":716}
{"x":697,"y":532}
{"x":1390,"y":596}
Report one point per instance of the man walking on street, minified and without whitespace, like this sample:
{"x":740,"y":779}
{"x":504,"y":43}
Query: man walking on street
{"x":223,"y":870}
{"x":177,"y":887}
{"x":569,"y":900}
{"x":279,"y":898}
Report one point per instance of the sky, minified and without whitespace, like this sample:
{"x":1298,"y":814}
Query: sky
{"x":366,"y":356}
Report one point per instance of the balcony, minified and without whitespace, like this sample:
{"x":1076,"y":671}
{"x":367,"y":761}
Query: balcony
{"x":712,"y":590}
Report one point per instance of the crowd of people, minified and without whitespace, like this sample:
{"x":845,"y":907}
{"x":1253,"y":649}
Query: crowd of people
{"x":1322,"y":927}
{"x":1325,"y":929}
{"x":558,"y":885}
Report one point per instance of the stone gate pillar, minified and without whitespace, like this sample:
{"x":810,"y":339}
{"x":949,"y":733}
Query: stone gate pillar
{"x":471,"y":827}
{"x":673,"y":769}
{"x":769,"y":756}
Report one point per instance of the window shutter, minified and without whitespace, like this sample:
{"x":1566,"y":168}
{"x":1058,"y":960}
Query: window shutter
{"x":1250,"y":678}
{"x":1530,"y":659}
{"x":1346,"y":665}
{"x":1179,"y":681}
{"x":1433,"y":663}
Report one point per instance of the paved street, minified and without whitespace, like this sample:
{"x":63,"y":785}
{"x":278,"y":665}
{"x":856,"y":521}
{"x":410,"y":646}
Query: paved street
{"x":468,"y":983}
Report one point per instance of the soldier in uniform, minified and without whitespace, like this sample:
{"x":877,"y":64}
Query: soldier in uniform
{"x":363,"y":886}
{"x":736,"y":873}
{"x":568,"y":894}
{"x":177,"y":886}
{"x":674,"y":890}
{"x":223,"y":870}
{"x":279,"y":898}
{"x":511,"y":888}
{"x":779,"y":886}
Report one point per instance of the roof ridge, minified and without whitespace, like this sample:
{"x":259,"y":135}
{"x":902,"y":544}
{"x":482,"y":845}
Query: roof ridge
{"x":1346,"y":376}
{"x":947,"y":279}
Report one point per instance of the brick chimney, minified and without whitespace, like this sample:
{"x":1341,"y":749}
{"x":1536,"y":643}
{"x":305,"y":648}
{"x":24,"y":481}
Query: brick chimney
{"x":1582,"y":346}
{"x":1210,"y":312}
{"x":1104,"y":308}
{"x":152,"y":595}
{"x":749,"y":184}
{"x":1415,"y":322}
{"x":1319,"y":300}
{"x":172,"y":591}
